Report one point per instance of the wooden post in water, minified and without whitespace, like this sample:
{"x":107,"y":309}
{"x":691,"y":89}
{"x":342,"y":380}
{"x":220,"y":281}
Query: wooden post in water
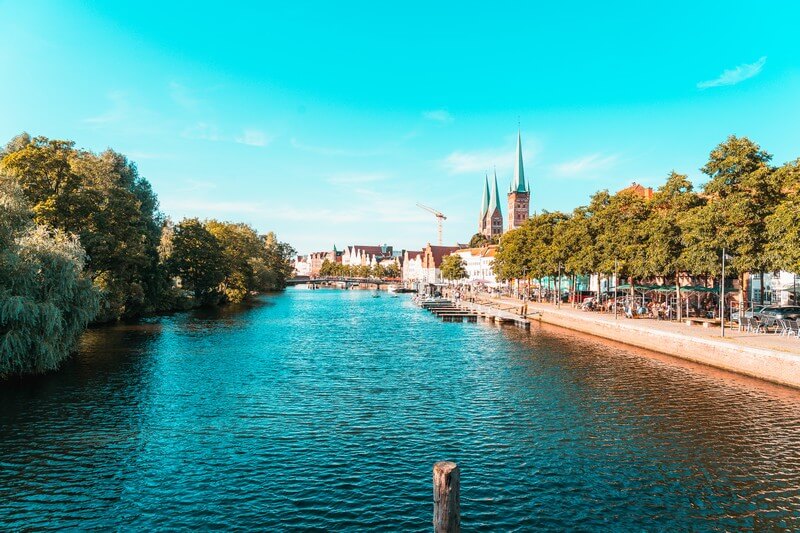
{"x":446,"y":511}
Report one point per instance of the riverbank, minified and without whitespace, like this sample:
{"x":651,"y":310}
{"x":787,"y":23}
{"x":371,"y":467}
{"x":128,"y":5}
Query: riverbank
{"x":769,"y":357}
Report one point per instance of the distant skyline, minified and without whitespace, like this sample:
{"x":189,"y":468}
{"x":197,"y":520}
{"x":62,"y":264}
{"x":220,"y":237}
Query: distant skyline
{"x":328,"y":123}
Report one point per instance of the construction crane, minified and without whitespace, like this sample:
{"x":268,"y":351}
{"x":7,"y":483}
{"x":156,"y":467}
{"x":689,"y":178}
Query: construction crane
{"x":439,"y":218}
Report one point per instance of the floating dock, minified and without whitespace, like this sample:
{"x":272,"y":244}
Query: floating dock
{"x":460,"y":311}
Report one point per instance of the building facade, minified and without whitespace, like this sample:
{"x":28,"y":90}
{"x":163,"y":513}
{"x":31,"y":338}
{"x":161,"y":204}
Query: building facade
{"x":432,"y":262}
{"x":412,"y":267}
{"x":360,"y":255}
{"x":302,"y":267}
{"x":478,"y":264}
{"x":491,"y":219}
{"x":316,"y":259}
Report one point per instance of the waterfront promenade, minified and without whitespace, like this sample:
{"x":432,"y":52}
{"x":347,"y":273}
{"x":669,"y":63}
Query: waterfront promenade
{"x":765,"y":356}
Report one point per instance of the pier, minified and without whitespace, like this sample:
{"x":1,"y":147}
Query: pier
{"x":462,"y":311}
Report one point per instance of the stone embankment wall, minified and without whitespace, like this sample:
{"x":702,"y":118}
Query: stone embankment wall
{"x":770,"y":365}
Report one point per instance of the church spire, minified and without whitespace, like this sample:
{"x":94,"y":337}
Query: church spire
{"x":518,"y":183}
{"x":494,"y":197}
{"x":485,"y":202}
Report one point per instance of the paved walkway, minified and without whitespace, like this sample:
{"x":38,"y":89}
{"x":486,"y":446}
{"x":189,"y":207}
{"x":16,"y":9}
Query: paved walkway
{"x":766,"y":341}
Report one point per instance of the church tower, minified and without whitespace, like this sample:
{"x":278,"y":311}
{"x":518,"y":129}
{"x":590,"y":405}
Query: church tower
{"x":519,"y":195}
{"x":484,"y":208}
{"x":493,"y":219}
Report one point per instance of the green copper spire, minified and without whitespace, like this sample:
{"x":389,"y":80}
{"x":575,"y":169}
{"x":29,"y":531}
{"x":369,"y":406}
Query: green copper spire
{"x":485,"y":202}
{"x":518,"y":183}
{"x":494,"y":198}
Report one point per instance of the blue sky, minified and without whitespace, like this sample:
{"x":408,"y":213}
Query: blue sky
{"x":327,"y":124}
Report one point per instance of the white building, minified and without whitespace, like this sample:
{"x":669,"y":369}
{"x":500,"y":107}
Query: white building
{"x":359,"y":255}
{"x":302,"y":267}
{"x":778,"y":288}
{"x":478,"y":264}
{"x":412,"y":267}
{"x":432,"y":261}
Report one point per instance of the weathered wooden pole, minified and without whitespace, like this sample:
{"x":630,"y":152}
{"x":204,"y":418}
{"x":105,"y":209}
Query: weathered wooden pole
{"x":446,"y":511}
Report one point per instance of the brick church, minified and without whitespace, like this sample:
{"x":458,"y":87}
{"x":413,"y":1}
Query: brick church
{"x":490,"y":222}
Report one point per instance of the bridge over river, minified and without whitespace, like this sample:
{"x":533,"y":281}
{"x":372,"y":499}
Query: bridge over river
{"x":339,"y":281}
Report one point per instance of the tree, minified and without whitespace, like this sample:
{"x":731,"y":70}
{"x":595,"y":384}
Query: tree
{"x":664,"y":237}
{"x":274,"y":265}
{"x":102,"y":199}
{"x":512,"y":260}
{"x":362,"y":271}
{"x":392,"y":270}
{"x":327,"y":268}
{"x":783,"y":225}
{"x":46,"y":300}
{"x":479,"y":240}
{"x":197,"y":258}
{"x":241,"y":249}
{"x":453,"y":268}
{"x":741,"y":194}
{"x":377,"y":271}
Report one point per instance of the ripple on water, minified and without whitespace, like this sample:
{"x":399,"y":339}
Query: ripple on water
{"x":326,"y":409}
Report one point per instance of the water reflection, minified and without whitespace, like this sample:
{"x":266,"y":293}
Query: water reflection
{"x":221,"y":418}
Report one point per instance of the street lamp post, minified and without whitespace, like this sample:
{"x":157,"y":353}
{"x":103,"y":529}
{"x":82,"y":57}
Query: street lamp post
{"x":558,"y":296}
{"x":615,"y":288}
{"x":722,"y":296}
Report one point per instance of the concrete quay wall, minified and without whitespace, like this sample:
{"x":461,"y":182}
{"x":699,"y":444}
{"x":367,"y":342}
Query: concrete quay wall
{"x":770,"y":365}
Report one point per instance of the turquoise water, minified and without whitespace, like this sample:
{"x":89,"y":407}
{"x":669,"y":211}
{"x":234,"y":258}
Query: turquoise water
{"x":327,"y":409}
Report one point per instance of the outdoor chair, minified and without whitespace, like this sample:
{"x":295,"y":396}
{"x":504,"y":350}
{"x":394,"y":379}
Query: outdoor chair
{"x":794,"y":328}
{"x":754,"y":326}
{"x":767,"y":323}
{"x":783,"y":327}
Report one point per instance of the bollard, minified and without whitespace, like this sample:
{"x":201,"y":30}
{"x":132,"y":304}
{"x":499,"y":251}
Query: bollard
{"x":446,"y":512}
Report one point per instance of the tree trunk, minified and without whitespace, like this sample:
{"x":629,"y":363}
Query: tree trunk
{"x":678,"y":294}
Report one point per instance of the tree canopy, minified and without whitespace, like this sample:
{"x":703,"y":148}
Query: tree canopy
{"x":747,"y":207}
{"x":46,"y":299}
{"x":453,"y":268}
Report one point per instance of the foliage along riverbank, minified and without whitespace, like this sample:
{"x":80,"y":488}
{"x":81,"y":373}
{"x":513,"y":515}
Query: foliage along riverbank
{"x":748,"y":207}
{"x":82,"y":240}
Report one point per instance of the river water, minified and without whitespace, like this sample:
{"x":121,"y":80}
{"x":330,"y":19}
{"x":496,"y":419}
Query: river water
{"x":327,"y":409}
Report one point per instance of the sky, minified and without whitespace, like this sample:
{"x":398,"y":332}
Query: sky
{"x":328,"y":122}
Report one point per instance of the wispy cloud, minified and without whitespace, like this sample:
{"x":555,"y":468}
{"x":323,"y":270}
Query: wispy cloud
{"x":350,"y":178}
{"x":735,"y":75}
{"x":199,"y":185}
{"x":583,"y":165}
{"x":467,"y":162}
{"x":202,"y":207}
{"x":438,"y":115}
{"x":119,"y":110}
{"x":254,"y":138}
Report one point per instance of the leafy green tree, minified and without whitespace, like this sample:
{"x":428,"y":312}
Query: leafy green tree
{"x":453,"y":268}
{"x":46,"y":301}
{"x":328,"y":268}
{"x":377,"y":271}
{"x":783,"y":225}
{"x":241,"y":249}
{"x":362,"y":271}
{"x":198,"y":260}
{"x":102,"y":199}
{"x":741,"y":194}
{"x":479,"y":240}
{"x":392,"y":270}
{"x":664,"y":239}
{"x":274,"y":266}
{"x":512,"y":259}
